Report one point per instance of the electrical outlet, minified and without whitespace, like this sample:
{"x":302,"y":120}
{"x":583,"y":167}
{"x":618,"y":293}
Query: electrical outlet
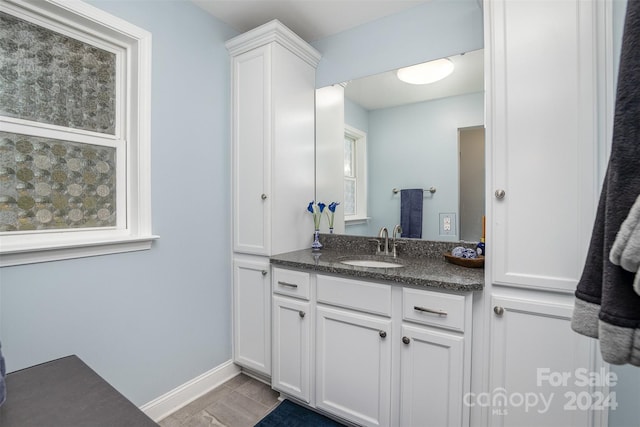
{"x":447,"y":224}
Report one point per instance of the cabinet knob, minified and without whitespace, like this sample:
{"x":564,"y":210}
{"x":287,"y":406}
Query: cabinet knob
{"x":263,"y":197}
{"x":382,"y":334}
{"x":406,"y":340}
{"x":498,"y":310}
{"x":264,"y":272}
{"x":500,"y":193}
{"x":301,"y":313}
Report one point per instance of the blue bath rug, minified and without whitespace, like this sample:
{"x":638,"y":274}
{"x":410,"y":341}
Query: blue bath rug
{"x":288,"y":414}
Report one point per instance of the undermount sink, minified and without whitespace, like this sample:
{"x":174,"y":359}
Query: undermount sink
{"x":371,"y":263}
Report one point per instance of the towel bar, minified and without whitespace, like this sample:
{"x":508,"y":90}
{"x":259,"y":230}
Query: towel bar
{"x":430,"y":190}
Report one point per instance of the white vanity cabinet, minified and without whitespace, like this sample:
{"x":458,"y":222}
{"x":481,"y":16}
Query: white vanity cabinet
{"x":379,"y":354}
{"x":546,"y":99}
{"x":292,"y":323}
{"x":273,"y":90}
{"x":532,"y":345}
{"x":432,"y":393}
{"x":353,"y":350}
{"x":252,"y":313}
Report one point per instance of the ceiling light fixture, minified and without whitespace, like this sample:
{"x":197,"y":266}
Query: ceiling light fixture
{"x":429,"y":72}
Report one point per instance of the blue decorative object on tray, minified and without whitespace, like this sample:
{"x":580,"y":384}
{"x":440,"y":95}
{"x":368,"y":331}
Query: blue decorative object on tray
{"x":465,"y":257}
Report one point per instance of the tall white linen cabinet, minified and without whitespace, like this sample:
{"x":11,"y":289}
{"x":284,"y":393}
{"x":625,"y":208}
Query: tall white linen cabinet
{"x":548,"y":102}
{"x":272,"y":131}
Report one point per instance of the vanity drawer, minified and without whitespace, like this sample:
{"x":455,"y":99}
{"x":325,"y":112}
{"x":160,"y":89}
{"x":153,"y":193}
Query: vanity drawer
{"x":373,"y":298}
{"x":290,"y":282}
{"x":434,"y":308}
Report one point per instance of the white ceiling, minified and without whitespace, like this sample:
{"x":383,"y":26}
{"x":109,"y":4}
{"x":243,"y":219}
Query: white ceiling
{"x":310,"y":19}
{"x":317,"y":19}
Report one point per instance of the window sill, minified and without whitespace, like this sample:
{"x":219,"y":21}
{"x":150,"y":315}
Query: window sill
{"x":30,"y":251}
{"x":355,"y":220}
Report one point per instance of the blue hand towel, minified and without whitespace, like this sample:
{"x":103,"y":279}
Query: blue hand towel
{"x":411,"y":212}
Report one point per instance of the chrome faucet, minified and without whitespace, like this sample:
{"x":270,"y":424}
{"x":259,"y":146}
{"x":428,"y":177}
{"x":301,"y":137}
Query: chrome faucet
{"x":397,"y":232}
{"x":384,"y":233}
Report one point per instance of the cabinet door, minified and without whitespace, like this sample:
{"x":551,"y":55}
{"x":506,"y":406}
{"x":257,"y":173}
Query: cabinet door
{"x":542,"y":125}
{"x":432,"y":378}
{"x":291,"y":353}
{"x":252,"y":315}
{"x":536,"y":358}
{"x":353,"y":372}
{"x":251,"y":136}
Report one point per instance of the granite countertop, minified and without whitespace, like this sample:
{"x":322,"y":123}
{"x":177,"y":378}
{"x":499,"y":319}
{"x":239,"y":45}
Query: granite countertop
{"x":429,"y":269}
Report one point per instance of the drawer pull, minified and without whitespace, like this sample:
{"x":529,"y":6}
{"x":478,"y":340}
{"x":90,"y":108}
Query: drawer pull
{"x":291,"y":285}
{"x":498,"y":310}
{"x":382,"y":334}
{"x":428,"y":310}
{"x":301,"y":313}
{"x":264,"y":272}
{"x":406,"y":340}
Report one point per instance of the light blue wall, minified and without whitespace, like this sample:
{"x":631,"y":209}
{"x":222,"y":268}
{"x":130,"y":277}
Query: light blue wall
{"x":149,"y":321}
{"x":433,"y":30}
{"x":416,"y":146}
{"x":356,"y":116}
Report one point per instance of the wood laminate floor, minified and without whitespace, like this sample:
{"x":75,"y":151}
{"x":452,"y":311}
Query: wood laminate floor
{"x":240,"y":402}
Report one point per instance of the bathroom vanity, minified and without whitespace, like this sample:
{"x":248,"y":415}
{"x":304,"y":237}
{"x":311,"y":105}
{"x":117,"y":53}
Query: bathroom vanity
{"x":374,"y":345}
{"x":354,"y":341}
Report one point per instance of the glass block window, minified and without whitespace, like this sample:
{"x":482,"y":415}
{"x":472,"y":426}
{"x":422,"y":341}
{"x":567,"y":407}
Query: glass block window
{"x":52,"y":184}
{"x":74,"y":132}
{"x":51,"y":78}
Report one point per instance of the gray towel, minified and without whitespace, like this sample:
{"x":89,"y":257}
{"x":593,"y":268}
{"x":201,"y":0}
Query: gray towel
{"x":606,"y":306}
{"x":411,"y":212}
{"x":626,"y":248}
{"x":625,"y":251}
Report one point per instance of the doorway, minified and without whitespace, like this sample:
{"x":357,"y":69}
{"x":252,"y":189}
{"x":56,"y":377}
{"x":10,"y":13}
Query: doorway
{"x":471,"y":177}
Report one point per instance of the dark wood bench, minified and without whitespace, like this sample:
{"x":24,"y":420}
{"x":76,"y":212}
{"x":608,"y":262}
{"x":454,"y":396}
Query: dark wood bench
{"x":66,"y":393}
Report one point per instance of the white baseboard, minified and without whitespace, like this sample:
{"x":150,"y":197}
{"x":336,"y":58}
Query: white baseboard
{"x":163,"y":406}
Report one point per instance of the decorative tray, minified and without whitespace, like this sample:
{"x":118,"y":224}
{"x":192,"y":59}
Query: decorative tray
{"x":465,"y":262}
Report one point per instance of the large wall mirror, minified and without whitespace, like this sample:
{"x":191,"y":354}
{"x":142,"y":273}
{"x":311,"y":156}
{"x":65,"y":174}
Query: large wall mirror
{"x":378,"y":135}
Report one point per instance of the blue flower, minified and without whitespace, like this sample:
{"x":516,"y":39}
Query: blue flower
{"x":316,"y":210}
{"x":332,"y":209}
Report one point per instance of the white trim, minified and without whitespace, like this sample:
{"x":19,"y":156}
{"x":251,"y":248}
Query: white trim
{"x":274,"y":31}
{"x":79,"y":248}
{"x":354,"y":220}
{"x":163,"y":406}
{"x":133,"y":130}
{"x":361,"y":167}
